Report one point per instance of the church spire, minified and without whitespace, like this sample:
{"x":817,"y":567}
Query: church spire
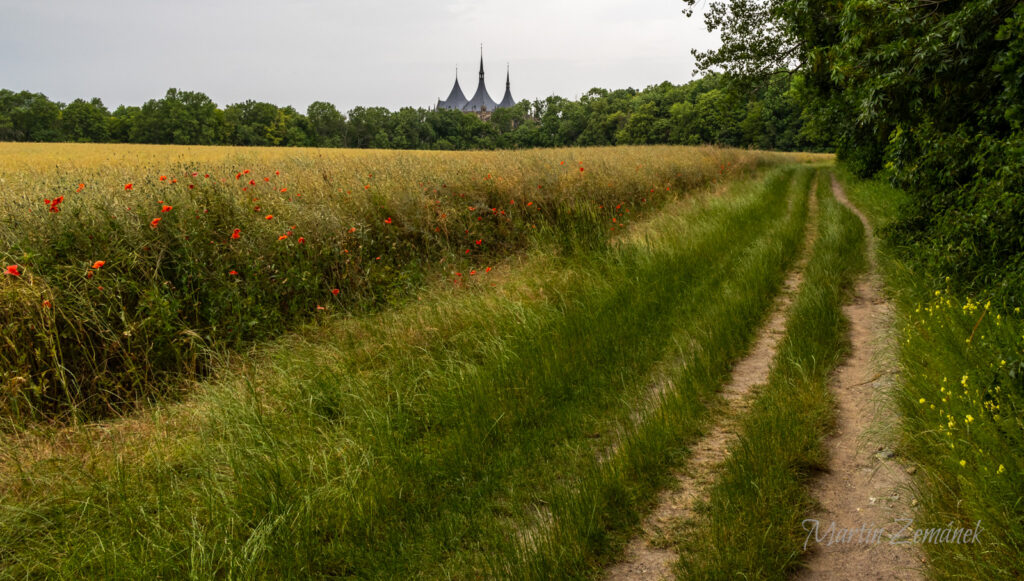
{"x":456,"y":99}
{"x":481,"y":101}
{"x":507,"y":101}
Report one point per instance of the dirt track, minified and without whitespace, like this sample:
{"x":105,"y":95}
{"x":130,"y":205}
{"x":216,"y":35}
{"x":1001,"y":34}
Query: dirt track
{"x":866,"y":484}
{"x":643,"y":560}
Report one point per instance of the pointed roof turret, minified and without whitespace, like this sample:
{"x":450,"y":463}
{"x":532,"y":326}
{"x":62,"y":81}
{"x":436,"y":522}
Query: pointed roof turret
{"x":481,"y":101}
{"x":507,"y":101}
{"x":456,"y":99}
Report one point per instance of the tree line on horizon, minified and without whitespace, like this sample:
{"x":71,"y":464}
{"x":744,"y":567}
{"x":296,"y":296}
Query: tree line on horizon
{"x":703,"y":111}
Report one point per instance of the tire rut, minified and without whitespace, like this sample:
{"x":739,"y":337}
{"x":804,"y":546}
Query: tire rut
{"x":866,"y":485}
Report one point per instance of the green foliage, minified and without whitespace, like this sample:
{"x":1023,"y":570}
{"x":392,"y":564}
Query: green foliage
{"x":85,"y":121}
{"x":961,"y":398}
{"x":704,"y":111}
{"x":28,"y":116}
{"x":928,"y":92}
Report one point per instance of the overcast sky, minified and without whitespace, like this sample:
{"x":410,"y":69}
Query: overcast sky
{"x":392,"y":53}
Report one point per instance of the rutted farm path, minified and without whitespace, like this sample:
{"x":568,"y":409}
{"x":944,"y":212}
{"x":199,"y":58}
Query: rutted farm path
{"x":866,"y":484}
{"x":646,"y":557}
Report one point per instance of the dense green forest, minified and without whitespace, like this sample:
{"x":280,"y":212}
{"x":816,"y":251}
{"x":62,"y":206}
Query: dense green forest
{"x":706,"y":110}
{"x":927,"y":93}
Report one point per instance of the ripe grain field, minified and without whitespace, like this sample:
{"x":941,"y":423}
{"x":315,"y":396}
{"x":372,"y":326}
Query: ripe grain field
{"x":467,"y":404}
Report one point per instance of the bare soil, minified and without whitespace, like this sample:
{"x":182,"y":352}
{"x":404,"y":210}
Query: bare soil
{"x":645,"y":557}
{"x":866,"y":484}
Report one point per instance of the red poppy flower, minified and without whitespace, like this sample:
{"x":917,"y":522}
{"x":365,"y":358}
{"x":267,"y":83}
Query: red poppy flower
{"x":246,"y":172}
{"x":99,"y":263}
{"x":233,"y":272}
{"x":302,"y":240}
{"x":162,"y":178}
{"x":283,"y":190}
{"x":319,"y":308}
{"x":529,"y":203}
{"x":479,"y":242}
{"x":252,"y":182}
{"x":352,"y":229}
{"x":166,"y":208}
{"x":387,"y":220}
{"x":277,"y":173}
{"x":236,"y":234}
{"x":80,"y":187}
{"x":47,"y":303}
{"x":154,"y":223}
{"x":13,"y":270}
{"x":581,"y":170}
{"x":282,"y":237}
{"x":472,"y":273}
{"x":127,"y":187}
{"x":335,"y":291}
{"x":270,"y":216}
{"x":266,"y":179}
{"x":488,"y":269}
{"x":206,"y":175}
{"x":238,"y":176}
{"x":191,"y":186}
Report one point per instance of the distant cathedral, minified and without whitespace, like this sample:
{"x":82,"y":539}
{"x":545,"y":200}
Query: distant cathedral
{"x":481,"y":103}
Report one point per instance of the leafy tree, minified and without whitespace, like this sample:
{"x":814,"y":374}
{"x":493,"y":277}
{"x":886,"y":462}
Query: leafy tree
{"x":327,"y":125}
{"x":250,"y":122}
{"x":121,"y":123}
{"x":29,"y":116}
{"x":85,"y":121}
{"x":181,"y":117}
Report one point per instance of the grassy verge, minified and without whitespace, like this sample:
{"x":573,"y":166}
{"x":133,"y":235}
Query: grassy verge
{"x":961,"y":397}
{"x":466,"y":434}
{"x":121,"y":275}
{"x":750,"y":528}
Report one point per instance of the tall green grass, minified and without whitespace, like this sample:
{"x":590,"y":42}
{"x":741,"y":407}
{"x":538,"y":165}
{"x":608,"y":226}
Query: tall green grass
{"x":337,"y":232}
{"x":961,"y":398}
{"x":465,"y":435}
{"x":751,"y":526}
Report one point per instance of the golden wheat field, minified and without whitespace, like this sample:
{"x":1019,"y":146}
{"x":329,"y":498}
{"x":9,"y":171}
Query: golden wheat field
{"x":125,"y":262}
